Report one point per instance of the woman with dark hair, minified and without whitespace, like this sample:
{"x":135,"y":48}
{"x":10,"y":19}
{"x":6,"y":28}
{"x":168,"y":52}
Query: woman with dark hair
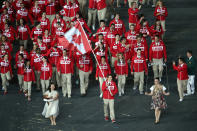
{"x":45,"y":74}
{"x":8,"y":46}
{"x":158,"y":101}
{"x":51,"y":108}
{"x":23,"y":31}
{"x":29,"y":77}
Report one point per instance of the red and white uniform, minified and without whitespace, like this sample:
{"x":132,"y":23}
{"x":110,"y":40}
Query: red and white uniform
{"x":41,"y":4}
{"x":50,"y":7}
{"x":45,"y":71}
{"x":101,"y":4}
{"x":3,"y":52}
{"x":92,"y":4}
{"x":163,"y":11}
{"x":126,"y":51}
{"x":24,"y":14}
{"x":119,"y":26}
{"x":99,"y":53}
{"x":54,"y":24}
{"x":25,"y":55}
{"x":143,"y":47}
{"x":114,"y":48}
{"x":47,"y":40}
{"x":133,"y":15}
{"x":83,"y":23}
{"x":85,"y":64}
{"x":103,"y":70}
{"x":65,"y":65}
{"x":10,"y":34}
{"x":43,"y":47}
{"x":36,"y":61}
{"x":154,"y":32}
{"x":157,"y":51}
{"x":71,"y":9}
{"x":138,"y":64}
{"x":182,"y":71}
{"x":109,"y":86}
{"x":103,"y":30}
{"x":36,"y":12}
{"x":5,"y":66}
{"x":53,"y":55}
{"x":20,"y":67}
{"x":58,"y":32}
{"x":23,"y":32}
{"x":45,"y":24}
{"x":111,"y":37}
{"x":121,"y":67}
{"x":8,"y":46}
{"x":29,"y":75}
{"x":131,"y":37}
{"x":5,"y":17}
{"x":35,"y":33}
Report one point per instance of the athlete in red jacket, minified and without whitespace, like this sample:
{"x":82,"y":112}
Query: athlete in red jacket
{"x":133,"y":13}
{"x":44,"y":22}
{"x":138,"y":67}
{"x":121,"y":70}
{"x":157,"y":52}
{"x":23,"y":52}
{"x":182,"y":77}
{"x":131,"y":35}
{"x":109,"y":89}
{"x":65,"y":69}
{"x":20,"y":71}
{"x":111,"y":35}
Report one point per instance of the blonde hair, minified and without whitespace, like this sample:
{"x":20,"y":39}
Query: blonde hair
{"x":159,"y":1}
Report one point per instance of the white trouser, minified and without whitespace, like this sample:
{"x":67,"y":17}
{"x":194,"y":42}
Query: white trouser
{"x":190,"y":84}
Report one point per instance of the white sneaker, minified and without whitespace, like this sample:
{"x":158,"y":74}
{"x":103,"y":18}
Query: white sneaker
{"x":112,"y":16}
{"x":101,"y":95}
{"x":134,"y":88}
{"x":93,"y":27}
{"x":122,"y":91}
{"x":180,"y":100}
{"x":77,"y":82}
{"x":120,"y":94}
{"x":3,"y":88}
{"x":153,"y":5}
{"x":141,"y":92}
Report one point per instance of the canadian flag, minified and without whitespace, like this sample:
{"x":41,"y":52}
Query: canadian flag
{"x":75,"y":38}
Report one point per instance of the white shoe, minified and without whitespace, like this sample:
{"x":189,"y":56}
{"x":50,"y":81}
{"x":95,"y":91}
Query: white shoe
{"x":153,"y":5}
{"x":112,"y":16}
{"x":64,"y":95}
{"x":101,"y":95}
{"x":134,"y":88}
{"x":192,"y":92}
{"x":160,"y":79}
{"x":122,"y":91}
{"x":77,"y":82}
{"x":120,"y":94}
{"x":93,"y":27}
{"x":3,"y":88}
{"x":180,"y":100}
{"x":141,"y":92}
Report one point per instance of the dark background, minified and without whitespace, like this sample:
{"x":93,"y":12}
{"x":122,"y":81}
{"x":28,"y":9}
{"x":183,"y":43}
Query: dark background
{"x":132,"y":110}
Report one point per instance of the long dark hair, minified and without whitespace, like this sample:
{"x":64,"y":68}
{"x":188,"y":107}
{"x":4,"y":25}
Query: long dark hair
{"x":49,"y":88}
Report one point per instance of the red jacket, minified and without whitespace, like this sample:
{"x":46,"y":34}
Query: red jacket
{"x":138,"y":64}
{"x":131,"y":37}
{"x":114,"y":48}
{"x":24,"y":14}
{"x":45,"y":71}
{"x":71,"y":9}
{"x":5,"y":66}
{"x":35,"y":33}
{"x":3,"y":52}
{"x":53,"y":55}
{"x":23,"y":32}
{"x":45,"y":24}
{"x":54,"y":24}
{"x":108,"y":87}
{"x":25,"y":55}
{"x":8,"y":46}
{"x":29,"y":75}
{"x":163,"y":11}
{"x":111,"y":37}
{"x":10,"y":34}
{"x":85,"y":64}
{"x":102,"y":70}
{"x":121,"y":68}
{"x":47,"y":40}
{"x":36,"y":61}
{"x":126,"y":51}
{"x":32,"y":53}
{"x":58,"y":32}
{"x":101,"y":4}
{"x":119,"y":26}
{"x":41,"y":3}
{"x":154,"y":32}
{"x":65,"y":65}
{"x":157,"y":51}
{"x":43,"y":47}
{"x":5,"y":17}
{"x":92,"y":4}
{"x":133,"y":15}
{"x":103,"y":30}
{"x":36,"y":12}
{"x":20,"y":67}
{"x":99,"y":53}
{"x":143,"y":47}
{"x":50,"y":7}
{"x":182,"y":71}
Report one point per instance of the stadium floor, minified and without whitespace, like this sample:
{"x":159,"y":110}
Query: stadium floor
{"x":132,"y":110}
